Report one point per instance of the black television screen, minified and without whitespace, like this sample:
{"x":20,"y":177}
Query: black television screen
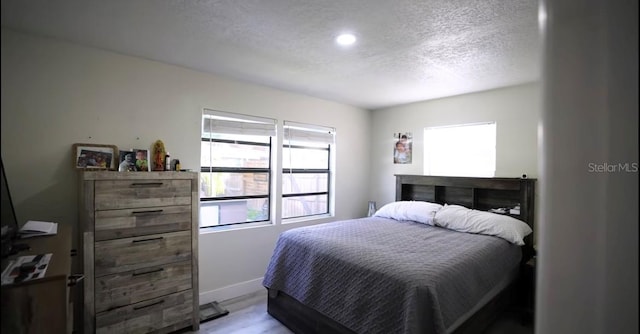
{"x":9,"y":220}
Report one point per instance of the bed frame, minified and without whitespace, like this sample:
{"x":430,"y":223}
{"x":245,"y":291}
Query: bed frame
{"x":471,"y":192}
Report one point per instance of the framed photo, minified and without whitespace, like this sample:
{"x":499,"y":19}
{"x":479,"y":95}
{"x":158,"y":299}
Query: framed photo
{"x":94,"y":156}
{"x":127,"y":161}
{"x":402,"y":148}
{"x":142,"y":160}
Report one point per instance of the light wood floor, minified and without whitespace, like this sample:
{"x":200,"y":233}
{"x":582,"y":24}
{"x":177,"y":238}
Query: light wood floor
{"x":248,"y":315}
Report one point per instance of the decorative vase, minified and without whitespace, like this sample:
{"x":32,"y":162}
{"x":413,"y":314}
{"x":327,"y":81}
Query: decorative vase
{"x":372,"y":208}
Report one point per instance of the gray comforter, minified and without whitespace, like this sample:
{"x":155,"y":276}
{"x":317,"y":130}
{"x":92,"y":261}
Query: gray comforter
{"x":378,"y":275}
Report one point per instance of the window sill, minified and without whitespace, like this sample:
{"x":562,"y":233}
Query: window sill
{"x":306,"y":219}
{"x":225,"y":228}
{"x":324,"y":218}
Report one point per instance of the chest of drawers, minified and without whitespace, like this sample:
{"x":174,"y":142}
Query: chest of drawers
{"x":139,"y":235}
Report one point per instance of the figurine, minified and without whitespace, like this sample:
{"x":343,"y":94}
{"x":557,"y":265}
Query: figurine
{"x":158,"y":155}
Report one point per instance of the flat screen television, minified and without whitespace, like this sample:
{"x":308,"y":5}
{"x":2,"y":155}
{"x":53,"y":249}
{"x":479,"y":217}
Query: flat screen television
{"x":10,"y":225}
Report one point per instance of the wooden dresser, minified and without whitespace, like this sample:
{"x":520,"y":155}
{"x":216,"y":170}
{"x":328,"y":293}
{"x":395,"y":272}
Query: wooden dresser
{"x":139,"y":235}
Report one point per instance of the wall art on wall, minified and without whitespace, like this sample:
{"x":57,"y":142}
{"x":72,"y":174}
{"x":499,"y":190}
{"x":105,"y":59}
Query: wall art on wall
{"x":402,"y":147}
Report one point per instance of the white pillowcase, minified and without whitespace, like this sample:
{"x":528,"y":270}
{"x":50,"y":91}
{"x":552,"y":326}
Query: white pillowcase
{"x":459,"y":218}
{"x":422,"y":212}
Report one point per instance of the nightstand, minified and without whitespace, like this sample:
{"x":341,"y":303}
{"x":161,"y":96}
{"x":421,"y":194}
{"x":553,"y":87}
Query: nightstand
{"x":527,"y":290}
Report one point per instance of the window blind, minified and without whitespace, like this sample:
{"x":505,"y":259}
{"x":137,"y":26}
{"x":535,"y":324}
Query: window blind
{"x":220,"y":122}
{"x":308,"y":133}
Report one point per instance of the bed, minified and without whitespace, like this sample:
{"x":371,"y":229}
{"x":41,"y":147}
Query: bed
{"x":381,"y":275}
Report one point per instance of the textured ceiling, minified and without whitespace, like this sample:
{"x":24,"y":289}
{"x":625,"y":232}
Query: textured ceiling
{"x":407,"y":50}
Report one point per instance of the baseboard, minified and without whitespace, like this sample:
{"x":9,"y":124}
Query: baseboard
{"x":232,"y":291}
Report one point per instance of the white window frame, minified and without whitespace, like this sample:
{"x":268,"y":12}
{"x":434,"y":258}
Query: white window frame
{"x":461,"y":150}
{"x":238,"y":124}
{"x":301,"y":133}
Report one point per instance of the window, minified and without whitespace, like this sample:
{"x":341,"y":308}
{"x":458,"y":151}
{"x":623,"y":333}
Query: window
{"x":235,"y":178}
{"x":460,"y":150}
{"x":306,"y":172}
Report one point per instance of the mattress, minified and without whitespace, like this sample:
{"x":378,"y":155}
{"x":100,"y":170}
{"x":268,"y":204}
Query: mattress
{"x":379,"y":275}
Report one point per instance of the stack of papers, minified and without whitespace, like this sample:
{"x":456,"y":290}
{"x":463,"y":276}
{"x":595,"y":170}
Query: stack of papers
{"x":34,"y":228}
{"x":12,"y":271}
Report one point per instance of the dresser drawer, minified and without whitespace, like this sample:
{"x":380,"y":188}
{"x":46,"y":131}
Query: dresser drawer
{"x":112,"y":224}
{"x":125,"y":194}
{"x":120,"y":255}
{"x":117,"y":290}
{"x":147,"y":316}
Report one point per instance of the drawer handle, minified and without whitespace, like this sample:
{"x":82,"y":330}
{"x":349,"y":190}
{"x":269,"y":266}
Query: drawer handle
{"x":148,"y":272}
{"x":74,"y":279}
{"x":146,"y":212}
{"x":147,"y":184}
{"x":152,"y":304}
{"x":145,"y":240}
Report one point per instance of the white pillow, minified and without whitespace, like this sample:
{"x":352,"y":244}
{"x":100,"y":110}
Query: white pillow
{"x":459,"y":218}
{"x":417,"y":211}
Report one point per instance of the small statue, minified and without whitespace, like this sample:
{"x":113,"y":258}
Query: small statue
{"x":158,"y":155}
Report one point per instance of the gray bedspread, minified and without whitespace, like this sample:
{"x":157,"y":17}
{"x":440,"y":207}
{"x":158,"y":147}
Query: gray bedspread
{"x":378,"y":275}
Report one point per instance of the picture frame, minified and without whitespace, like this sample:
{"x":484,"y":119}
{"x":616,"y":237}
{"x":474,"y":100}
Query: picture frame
{"x":127,"y":161}
{"x":142,"y":160}
{"x":94,"y":156}
{"x":402,"y":148}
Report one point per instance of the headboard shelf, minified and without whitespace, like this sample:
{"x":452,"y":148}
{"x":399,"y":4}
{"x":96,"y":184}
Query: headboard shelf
{"x":472,"y":192}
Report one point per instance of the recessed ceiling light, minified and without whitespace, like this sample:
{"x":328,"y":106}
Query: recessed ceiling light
{"x":346,"y":39}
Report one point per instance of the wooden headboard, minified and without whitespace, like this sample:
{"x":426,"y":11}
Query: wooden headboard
{"x":480,"y":193}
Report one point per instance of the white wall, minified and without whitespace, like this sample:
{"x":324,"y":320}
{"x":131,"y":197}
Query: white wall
{"x":55,"y":94}
{"x":516,"y":111}
{"x":587,"y":277}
